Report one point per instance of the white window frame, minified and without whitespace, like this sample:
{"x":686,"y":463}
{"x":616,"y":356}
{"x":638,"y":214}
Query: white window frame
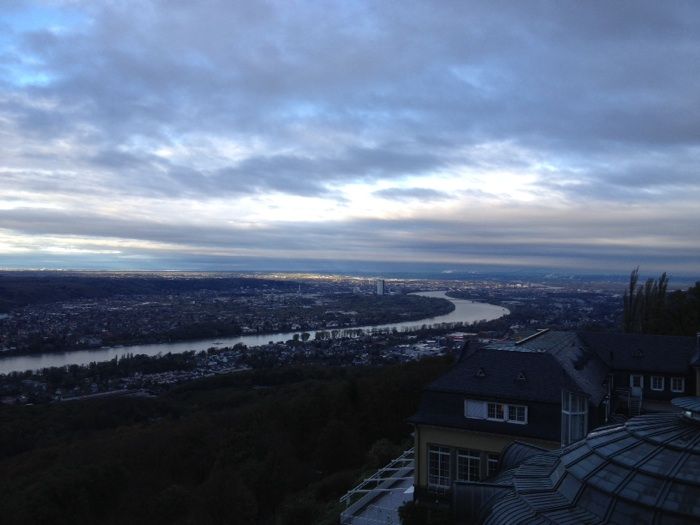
{"x":568,"y":415}
{"x":517,"y":421}
{"x":682,"y":388}
{"x":492,"y":463}
{"x":655,"y":388}
{"x":504,"y":408}
{"x":434,"y":481}
{"x":468,"y":458}
{"x":641,"y":381}
{"x":503,"y":411}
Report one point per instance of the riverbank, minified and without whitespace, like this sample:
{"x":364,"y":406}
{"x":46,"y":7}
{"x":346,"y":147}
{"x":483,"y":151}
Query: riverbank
{"x":464,"y":312}
{"x":77,"y":327}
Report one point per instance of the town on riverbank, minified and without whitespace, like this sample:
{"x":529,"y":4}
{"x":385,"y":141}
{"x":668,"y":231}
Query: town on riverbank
{"x":323,"y":311}
{"x":151,"y":375}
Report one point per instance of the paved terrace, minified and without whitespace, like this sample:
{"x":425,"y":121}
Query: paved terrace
{"x":377,"y":499}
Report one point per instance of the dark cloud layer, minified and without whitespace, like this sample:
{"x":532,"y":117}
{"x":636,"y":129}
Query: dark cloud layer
{"x":597,"y":102}
{"x":551,"y":240}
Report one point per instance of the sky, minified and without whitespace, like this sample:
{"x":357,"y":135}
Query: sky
{"x":219,"y":135}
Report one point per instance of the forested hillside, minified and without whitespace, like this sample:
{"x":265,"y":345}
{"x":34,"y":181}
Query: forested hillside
{"x":274,"y":446}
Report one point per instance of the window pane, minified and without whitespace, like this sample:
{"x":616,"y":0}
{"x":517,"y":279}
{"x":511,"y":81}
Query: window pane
{"x":577,"y":427}
{"x":475,"y":409}
{"x":492,"y":464}
{"x":468,"y":465}
{"x":516,"y":413}
{"x":495,"y":411}
{"x":439,"y":466}
{"x":678,"y":384}
{"x":581,"y":404}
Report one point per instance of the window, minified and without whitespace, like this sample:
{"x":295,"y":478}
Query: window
{"x":468,"y":465}
{"x":574,"y":417}
{"x":496,"y":411}
{"x":678,"y":384}
{"x":657,"y":383}
{"x":517,"y":414}
{"x":438,"y":467}
{"x":492,"y":464}
{"x":636,"y":381}
{"x":475,"y":409}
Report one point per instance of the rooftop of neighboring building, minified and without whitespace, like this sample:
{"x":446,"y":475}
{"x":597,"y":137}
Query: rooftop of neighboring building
{"x":662,"y":354}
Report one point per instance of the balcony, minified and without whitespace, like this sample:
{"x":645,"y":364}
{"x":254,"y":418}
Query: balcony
{"x":377,"y":499}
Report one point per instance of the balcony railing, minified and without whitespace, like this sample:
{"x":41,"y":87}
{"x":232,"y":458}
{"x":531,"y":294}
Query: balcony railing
{"x":377,"y":498}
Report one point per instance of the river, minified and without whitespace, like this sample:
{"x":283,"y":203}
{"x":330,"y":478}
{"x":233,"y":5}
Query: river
{"x":464,"y":312}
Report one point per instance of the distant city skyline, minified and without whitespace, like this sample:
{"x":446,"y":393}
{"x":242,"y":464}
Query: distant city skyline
{"x":347,"y":136}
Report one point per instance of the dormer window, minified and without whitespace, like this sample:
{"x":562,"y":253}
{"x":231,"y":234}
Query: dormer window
{"x":496,"y":411}
{"x":510,"y":413}
{"x":522,"y":377}
{"x":480,"y":373}
{"x":517,"y":414}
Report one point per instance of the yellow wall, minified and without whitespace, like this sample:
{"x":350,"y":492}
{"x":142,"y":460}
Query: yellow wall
{"x":455,"y":438}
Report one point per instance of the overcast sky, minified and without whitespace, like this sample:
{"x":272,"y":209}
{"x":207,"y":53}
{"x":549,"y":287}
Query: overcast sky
{"x":219,"y":134}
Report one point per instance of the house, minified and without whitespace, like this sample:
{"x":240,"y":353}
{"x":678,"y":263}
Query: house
{"x":646,"y":370}
{"x":548,"y":390}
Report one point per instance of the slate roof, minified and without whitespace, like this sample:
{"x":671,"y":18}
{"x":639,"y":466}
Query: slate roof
{"x":488,"y":373}
{"x":446,"y":409}
{"x":642,"y":352}
{"x":549,"y":362}
{"x":517,"y":452}
{"x":583,"y":365}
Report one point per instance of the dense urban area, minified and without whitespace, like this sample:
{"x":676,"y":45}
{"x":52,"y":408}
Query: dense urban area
{"x":53,"y":312}
{"x":158,"y":309}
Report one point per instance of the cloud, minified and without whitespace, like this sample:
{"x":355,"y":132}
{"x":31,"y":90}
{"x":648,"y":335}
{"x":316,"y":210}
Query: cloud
{"x":575,"y":238}
{"x":431,"y":112}
{"x":411,"y":194}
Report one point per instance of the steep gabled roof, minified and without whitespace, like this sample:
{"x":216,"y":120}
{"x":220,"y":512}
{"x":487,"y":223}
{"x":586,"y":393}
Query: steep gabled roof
{"x":498,"y":374}
{"x":580,"y":364}
{"x":642,"y":352}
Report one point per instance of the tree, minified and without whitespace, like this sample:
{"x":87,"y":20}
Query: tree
{"x":631,"y":303}
{"x":650,"y":309}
